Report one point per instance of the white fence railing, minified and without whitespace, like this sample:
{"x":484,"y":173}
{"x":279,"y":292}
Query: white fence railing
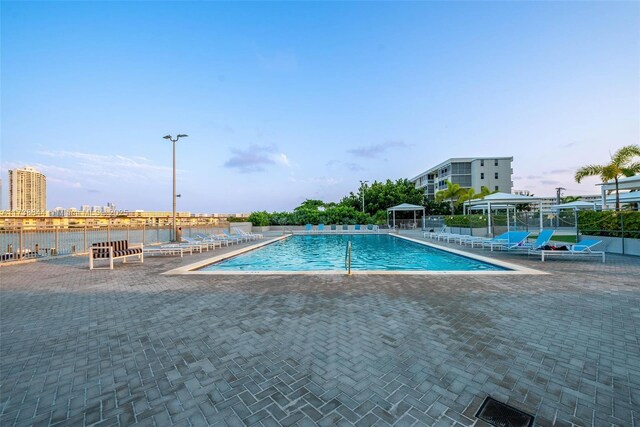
{"x":17,"y":243}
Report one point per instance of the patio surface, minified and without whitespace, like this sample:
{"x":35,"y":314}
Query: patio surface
{"x":131,"y":346}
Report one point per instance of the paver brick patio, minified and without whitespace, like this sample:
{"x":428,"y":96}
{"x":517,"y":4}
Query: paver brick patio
{"x":131,"y":346}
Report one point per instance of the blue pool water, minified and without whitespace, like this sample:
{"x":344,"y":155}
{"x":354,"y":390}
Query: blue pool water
{"x":369,"y":252}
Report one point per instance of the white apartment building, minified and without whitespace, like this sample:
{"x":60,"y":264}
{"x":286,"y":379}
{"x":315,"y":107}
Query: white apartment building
{"x":548,"y":202}
{"x":27,"y":190}
{"x":469,"y":172}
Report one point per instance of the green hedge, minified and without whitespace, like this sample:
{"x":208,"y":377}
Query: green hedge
{"x":331,"y":215}
{"x":472,"y":221}
{"x":609,"y":223}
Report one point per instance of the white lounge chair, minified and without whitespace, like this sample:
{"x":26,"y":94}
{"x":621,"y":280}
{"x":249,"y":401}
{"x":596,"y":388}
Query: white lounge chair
{"x":580,"y":249}
{"x":251,"y":236}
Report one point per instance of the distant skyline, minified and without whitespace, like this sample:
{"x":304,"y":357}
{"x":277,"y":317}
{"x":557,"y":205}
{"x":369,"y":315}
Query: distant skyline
{"x":287,"y":101}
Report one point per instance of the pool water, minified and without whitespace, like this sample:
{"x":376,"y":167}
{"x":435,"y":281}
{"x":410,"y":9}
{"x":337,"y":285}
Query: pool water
{"x":369,"y":252}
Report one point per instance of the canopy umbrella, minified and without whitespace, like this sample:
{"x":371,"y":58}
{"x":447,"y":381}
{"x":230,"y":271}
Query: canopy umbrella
{"x":578,"y":204}
{"x":505,"y":200}
{"x":405,"y":207}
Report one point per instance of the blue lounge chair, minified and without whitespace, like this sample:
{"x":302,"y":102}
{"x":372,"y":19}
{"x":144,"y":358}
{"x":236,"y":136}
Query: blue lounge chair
{"x":345,"y":227}
{"x":510,"y":239}
{"x":334,"y":228}
{"x":320,"y":228}
{"x":356,"y":227}
{"x":542,"y":240}
{"x":307,"y":228}
{"x":580,"y":249}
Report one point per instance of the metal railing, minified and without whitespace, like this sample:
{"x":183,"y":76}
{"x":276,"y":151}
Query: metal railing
{"x":19,"y":243}
{"x":347,"y":258}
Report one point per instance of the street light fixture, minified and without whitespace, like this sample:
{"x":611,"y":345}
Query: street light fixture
{"x":362,"y":183}
{"x":174,"y":235}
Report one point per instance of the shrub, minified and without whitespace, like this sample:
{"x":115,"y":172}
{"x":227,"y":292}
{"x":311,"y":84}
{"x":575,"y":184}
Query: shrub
{"x":609,"y":223}
{"x":472,"y":221}
{"x":259,"y":219}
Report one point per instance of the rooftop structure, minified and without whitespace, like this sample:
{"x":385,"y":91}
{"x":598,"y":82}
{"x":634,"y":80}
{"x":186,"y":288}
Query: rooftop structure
{"x":469,"y":172}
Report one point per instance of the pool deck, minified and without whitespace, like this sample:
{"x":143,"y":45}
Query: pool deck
{"x":133,"y":346}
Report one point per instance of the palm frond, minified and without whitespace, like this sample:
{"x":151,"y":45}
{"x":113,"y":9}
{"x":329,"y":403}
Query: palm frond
{"x":625,"y":154}
{"x":589,"y":170}
{"x":632,"y":169}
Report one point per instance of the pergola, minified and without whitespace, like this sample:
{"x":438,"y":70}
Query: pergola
{"x":504,"y":201}
{"x":631,"y":183}
{"x":403,"y":208}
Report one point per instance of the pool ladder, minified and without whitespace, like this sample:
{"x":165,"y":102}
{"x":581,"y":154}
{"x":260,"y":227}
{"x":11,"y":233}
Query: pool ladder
{"x":347,"y":258}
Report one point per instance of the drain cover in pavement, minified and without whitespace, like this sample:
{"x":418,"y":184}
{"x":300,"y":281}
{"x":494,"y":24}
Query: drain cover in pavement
{"x":502,"y":415}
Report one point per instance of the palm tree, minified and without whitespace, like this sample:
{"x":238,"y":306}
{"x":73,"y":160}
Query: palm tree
{"x":621,"y":164}
{"x":470,"y":194}
{"x":452,"y":194}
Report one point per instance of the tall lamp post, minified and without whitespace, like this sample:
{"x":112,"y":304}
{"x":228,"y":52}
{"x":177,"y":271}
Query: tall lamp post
{"x":362,"y":183}
{"x":174,"y":235}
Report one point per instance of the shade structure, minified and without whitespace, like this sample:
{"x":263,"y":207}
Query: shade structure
{"x":631,"y":183}
{"x":403,"y":207}
{"x":504,"y":201}
{"x":630,"y":197}
{"x":578,"y":204}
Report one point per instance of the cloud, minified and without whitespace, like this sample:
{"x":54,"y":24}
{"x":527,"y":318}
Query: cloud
{"x":562,"y":171}
{"x":549,"y":182}
{"x":376,"y":150}
{"x":75,"y":169}
{"x":256,"y":158}
{"x":571,"y":144}
{"x":354,"y":167}
{"x":321,"y":180}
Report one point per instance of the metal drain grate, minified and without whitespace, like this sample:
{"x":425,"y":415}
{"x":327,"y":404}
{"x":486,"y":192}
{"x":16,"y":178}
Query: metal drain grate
{"x":502,"y":415}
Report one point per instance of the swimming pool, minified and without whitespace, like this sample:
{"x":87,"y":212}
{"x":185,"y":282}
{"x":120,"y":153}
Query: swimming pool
{"x":378,"y":252}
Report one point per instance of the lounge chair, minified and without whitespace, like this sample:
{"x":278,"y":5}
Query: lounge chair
{"x":236,"y":237}
{"x":308,"y":228}
{"x":434,"y":234}
{"x":334,"y":228}
{"x":208,"y":244}
{"x":542,"y":240}
{"x":507,"y":240}
{"x":356,"y":228}
{"x":580,"y":249}
{"x":320,"y":228}
{"x":345,"y":227}
{"x":253,"y":236}
{"x":218,"y":238}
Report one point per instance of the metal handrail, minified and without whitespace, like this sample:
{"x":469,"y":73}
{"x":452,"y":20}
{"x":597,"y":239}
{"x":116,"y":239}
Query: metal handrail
{"x":347,"y":258}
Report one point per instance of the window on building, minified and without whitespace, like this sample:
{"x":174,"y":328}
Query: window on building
{"x":481,"y":175}
{"x":495,"y":163}
{"x":496,"y":175}
{"x":481,"y":162}
{"x":496,"y":188}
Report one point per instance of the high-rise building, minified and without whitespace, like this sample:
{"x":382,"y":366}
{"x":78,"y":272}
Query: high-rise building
{"x":27,"y":190}
{"x":469,"y":172}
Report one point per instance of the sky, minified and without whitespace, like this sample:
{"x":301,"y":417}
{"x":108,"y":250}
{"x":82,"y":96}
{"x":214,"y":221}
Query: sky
{"x":287,"y":101}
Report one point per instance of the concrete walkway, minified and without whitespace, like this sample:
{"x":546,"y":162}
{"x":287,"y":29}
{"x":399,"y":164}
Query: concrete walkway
{"x":131,"y":346}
